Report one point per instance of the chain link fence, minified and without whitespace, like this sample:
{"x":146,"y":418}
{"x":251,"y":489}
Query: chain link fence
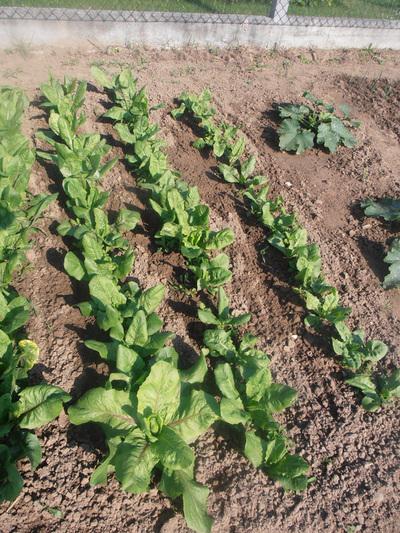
{"x":333,"y":13}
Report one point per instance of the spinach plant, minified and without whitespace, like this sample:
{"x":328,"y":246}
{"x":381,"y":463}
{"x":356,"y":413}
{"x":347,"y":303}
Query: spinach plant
{"x":23,"y":408}
{"x":184,"y":219}
{"x":136,"y":132}
{"x":149,"y":410}
{"x":249,"y":398}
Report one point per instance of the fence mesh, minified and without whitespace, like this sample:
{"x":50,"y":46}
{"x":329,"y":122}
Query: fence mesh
{"x":348,"y":13}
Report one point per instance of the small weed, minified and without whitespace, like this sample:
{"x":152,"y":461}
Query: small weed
{"x":370,"y":53}
{"x":304,"y":59}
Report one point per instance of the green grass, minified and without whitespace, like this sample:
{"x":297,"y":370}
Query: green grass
{"x":245,"y":7}
{"x":372,"y":9}
{"x":389,"y":9}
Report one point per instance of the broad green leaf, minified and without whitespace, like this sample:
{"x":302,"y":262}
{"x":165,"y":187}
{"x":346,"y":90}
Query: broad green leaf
{"x":39,"y":405}
{"x":219,"y":342}
{"x":74,"y":266}
{"x":196,"y":373}
{"x":137,"y":333}
{"x":127,"y":220}
{"x":105,"y":406}
{"x":207,"y":317}
{"x":134,"y":461}
{"x":362,"y":382}
{"x":279,"y":397}
{"x":151,"y":298}
{"x":106,"y":291}
{"x":197,"y":411}
{"x":102,"y":348}
{"x":290,"y":466}
{"x":254,"y":448}
{"x":32,"y":450}
{"x":160,"y":392}
{"x":226,"y":381}
{"x":101,"y":77}
{"x":195,"y":498}
{"x":293,"y":138}
{"x":171,"y":450}
{"x":392,"y":280}
{"x":232,"y":411}
{"x":11,"y":480}
{"x":99,"y":475}
{"x":387,"y":208}
{"x":29,"y":353}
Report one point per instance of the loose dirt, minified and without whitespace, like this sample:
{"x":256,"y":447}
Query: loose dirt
{"x":353,"y":455}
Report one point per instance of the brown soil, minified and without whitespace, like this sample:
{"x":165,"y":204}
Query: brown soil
{"x":353,"y":455}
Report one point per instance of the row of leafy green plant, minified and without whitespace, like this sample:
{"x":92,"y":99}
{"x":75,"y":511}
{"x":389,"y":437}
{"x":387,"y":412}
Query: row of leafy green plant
{"x":389,"y":210}
{"x":285,"y":233}
{"x":248,"y":398}
{"x":149,"y":410}
{"x":23,"y":408}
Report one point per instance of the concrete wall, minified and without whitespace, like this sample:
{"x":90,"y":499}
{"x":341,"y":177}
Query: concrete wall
{"x":176,"y":34}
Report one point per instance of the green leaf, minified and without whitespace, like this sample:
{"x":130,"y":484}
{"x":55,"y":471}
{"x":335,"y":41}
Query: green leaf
{"x":127,"y":219}
{"x":232,"y":411}
{"x":219,"y":342}
{"x":39,"y":405}
{"x":104,"y":406}
{"x":362,"y":382}
{"x":293,"y":138}
{"x":32,"y":450}
{"x":387,"y":208}
{"x":279,"y":397}
{"x":197,"y":411}
{"x":99,"y":475}
{"x":207,"y":317}
{"x":106,"y":291}
{"x":151,"y":298}
{"x":11,"y":480}
{"x":225,"y":381}
{"x":137,"y":333}
{"x":195,"y":498}
{"x":172,"y":450}
{"x":160,"y":392}
{"x":392,"y":280}
{"x":291,"y":466}
{"x":74,"y":266}
{"x":101,"y":78}
{"x":102,"y":348}
{"x":254,"y":448}
{"x":134,"y":461}
{"x":197,"y":372}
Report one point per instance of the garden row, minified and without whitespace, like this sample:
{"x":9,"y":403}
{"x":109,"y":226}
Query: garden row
{"x":322,"y":301}
{"x":150,"y":409}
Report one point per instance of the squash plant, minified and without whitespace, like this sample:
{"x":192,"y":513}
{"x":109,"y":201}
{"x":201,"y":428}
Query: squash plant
{"x":305,"y":126}
{"x":389,"y":210}
{"x":149,"y":410}
{"x":23,"y":408}
{"x":322,"y":300}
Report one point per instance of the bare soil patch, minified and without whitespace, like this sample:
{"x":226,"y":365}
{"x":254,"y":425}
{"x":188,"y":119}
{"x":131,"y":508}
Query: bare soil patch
{"x":354,"y":455}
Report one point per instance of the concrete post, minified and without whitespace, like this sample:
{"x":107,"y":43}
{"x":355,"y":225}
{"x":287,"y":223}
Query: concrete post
{"x":279,"y":11}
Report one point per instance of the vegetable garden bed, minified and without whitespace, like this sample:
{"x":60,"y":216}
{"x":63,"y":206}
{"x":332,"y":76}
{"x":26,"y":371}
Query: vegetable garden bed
{"x":351,"y":453}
